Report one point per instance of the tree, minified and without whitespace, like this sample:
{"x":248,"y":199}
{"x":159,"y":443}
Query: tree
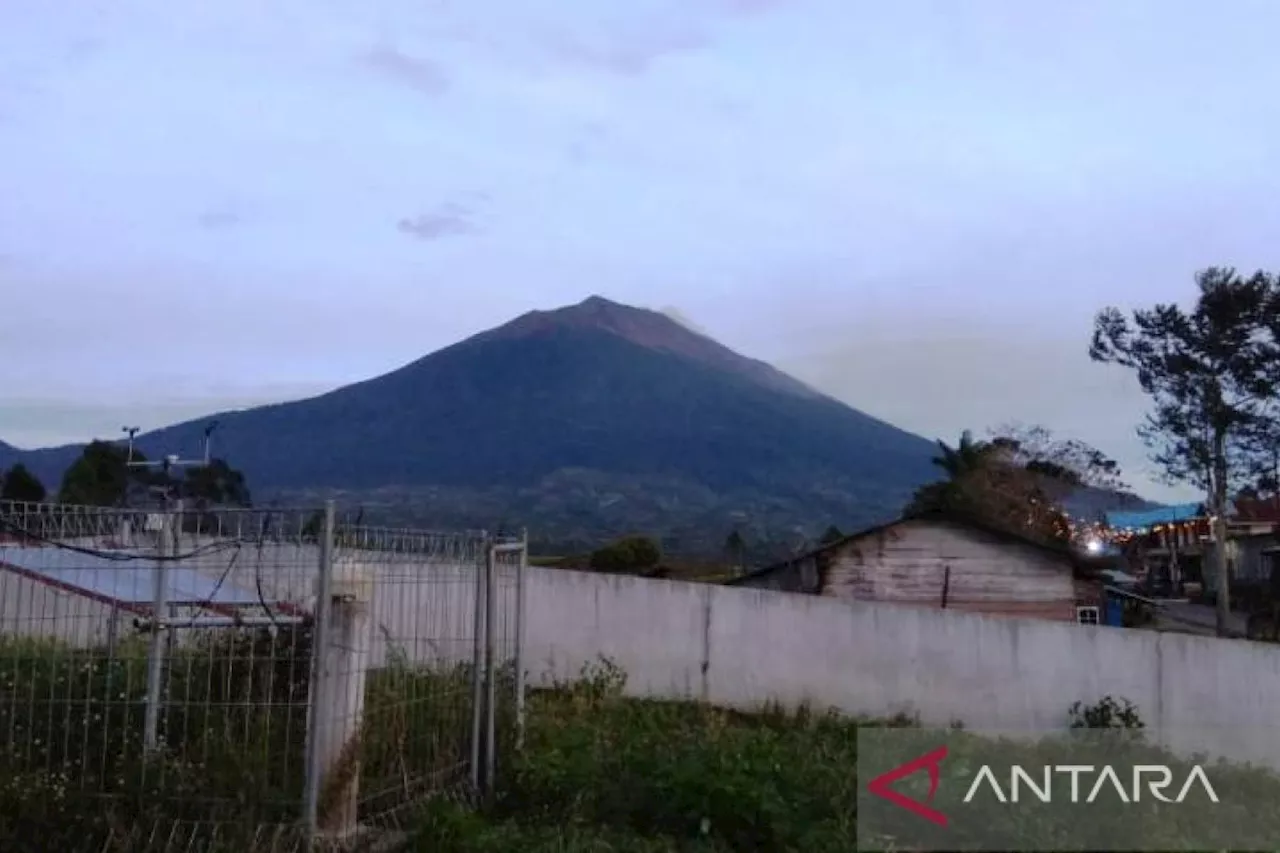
{"x":1066,"y":463}
{"x":215,"y":484}
{"x":1211,"y":374}
{"x":100,"y":477}
{"x":631,"y":554}
{"x":1017,"y":480}
{"x":103,"y":477}
{"x":830,"y":535}
{"x":966,"y":457}
{"x":21,"y":485}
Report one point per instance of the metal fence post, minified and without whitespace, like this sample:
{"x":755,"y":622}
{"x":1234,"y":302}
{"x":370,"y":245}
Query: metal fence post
{"x":521,"y":575}
{"x":315,"y":689}
{"x":490,"y":670}
{"x":477,"y":668}
{"x":159,"y":630}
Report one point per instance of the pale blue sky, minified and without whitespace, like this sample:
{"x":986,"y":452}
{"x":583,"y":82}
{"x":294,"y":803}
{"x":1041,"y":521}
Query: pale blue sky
{"x":917,"y":206}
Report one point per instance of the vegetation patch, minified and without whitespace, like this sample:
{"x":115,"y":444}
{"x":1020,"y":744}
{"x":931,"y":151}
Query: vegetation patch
{"x":602,"y":772}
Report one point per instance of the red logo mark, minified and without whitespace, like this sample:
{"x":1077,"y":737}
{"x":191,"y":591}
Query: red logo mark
{"x":930,"y":762}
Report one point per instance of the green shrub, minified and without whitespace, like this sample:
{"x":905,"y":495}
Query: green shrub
{"x":631,"y":554}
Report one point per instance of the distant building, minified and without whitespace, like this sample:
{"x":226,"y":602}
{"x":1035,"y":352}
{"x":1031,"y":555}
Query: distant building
{"x":1173,"y":547}
{"x":947,"y":562}
{"x":1253,"y":545}
{"x":1165,"y":546}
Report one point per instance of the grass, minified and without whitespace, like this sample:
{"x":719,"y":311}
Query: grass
{"x":601,"y":772}
{"x":74,"y":774}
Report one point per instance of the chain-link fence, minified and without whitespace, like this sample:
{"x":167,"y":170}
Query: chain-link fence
{"x":245,"y":679}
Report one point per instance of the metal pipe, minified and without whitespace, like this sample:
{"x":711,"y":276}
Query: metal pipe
{"x":520,"y":622}
{"x":319,"y":637}
{"x":477,"y":668}
{"x":490,"y":671}
{"x":229,"y":621}
{"x":156,"y":647}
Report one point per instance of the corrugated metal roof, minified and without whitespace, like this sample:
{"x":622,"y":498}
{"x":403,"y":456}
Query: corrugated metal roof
{"x":1143,"y":519}
{"x":128,"y":582}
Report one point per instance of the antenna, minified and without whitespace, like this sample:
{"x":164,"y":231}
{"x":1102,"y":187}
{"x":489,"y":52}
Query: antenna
{"x":173,"y":460}
{"x":132,"y":431}
{"x":208,"y":440}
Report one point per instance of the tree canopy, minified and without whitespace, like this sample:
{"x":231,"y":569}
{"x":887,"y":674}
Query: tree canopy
{"x":1016,"y":480}
{"x":630,"y":554}
{"x":1211,"y":372}
{"x":101,"y":476}
{"x":19,"y":484}
{"x":215,"y":484}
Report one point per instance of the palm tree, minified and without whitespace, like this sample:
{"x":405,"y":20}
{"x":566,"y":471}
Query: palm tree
{"x":966,"y":457}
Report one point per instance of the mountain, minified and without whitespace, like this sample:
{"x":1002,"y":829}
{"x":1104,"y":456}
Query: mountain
{"x":593,"y":419}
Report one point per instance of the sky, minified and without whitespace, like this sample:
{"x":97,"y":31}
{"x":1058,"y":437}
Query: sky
{"x":915,"y":206}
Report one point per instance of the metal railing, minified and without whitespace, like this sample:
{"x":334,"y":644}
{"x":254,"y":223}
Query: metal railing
{"x":188,"y":679}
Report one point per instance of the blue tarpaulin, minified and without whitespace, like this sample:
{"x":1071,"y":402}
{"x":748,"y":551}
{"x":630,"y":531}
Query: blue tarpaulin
{"x":1148,"y":518}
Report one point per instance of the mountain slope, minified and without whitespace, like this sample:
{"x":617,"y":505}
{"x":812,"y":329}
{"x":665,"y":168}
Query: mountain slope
{"x":596,"y":398}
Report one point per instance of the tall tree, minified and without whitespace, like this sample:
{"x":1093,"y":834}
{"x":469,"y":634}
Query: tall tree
{"x":100,"y":477}
{"x":19,"y":484}
{"x":966,"y":457}
{"x":1211,"y":375}
{"x":830,"y":535}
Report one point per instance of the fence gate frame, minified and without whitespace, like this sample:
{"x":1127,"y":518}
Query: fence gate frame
{"x":484,"y":676}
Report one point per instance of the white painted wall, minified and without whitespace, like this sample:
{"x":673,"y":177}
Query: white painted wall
{"x":29,"y":608}
{"x":742,"y":647}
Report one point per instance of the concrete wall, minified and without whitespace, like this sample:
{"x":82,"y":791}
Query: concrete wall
{"x":742,"y":647}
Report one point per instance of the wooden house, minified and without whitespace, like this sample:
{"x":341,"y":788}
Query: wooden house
{"x":946,"y":562}
{"x":1253,"y":545}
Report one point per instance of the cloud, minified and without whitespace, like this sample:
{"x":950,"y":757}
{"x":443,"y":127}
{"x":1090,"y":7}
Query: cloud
{"x":422,"y":75}
{"x":31,"y":422}
{"x":216,"y":219}
{"x":683,"y":319}
{"x":633,"y":53}
{"x":83,"y":49}
{"x":582,"y":146}
{"x":751,"y":7}
{"x":451,"y":220}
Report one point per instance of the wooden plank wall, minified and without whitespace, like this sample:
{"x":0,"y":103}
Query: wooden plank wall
{"x":908,"y":563}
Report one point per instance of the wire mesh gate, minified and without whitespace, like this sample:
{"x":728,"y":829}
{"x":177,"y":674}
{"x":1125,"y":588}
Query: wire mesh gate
{"x":246,"y":679}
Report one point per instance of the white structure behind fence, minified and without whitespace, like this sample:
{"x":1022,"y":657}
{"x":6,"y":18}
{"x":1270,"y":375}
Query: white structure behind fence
{"x":335,"y":673}
{"x":743,"y":647}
